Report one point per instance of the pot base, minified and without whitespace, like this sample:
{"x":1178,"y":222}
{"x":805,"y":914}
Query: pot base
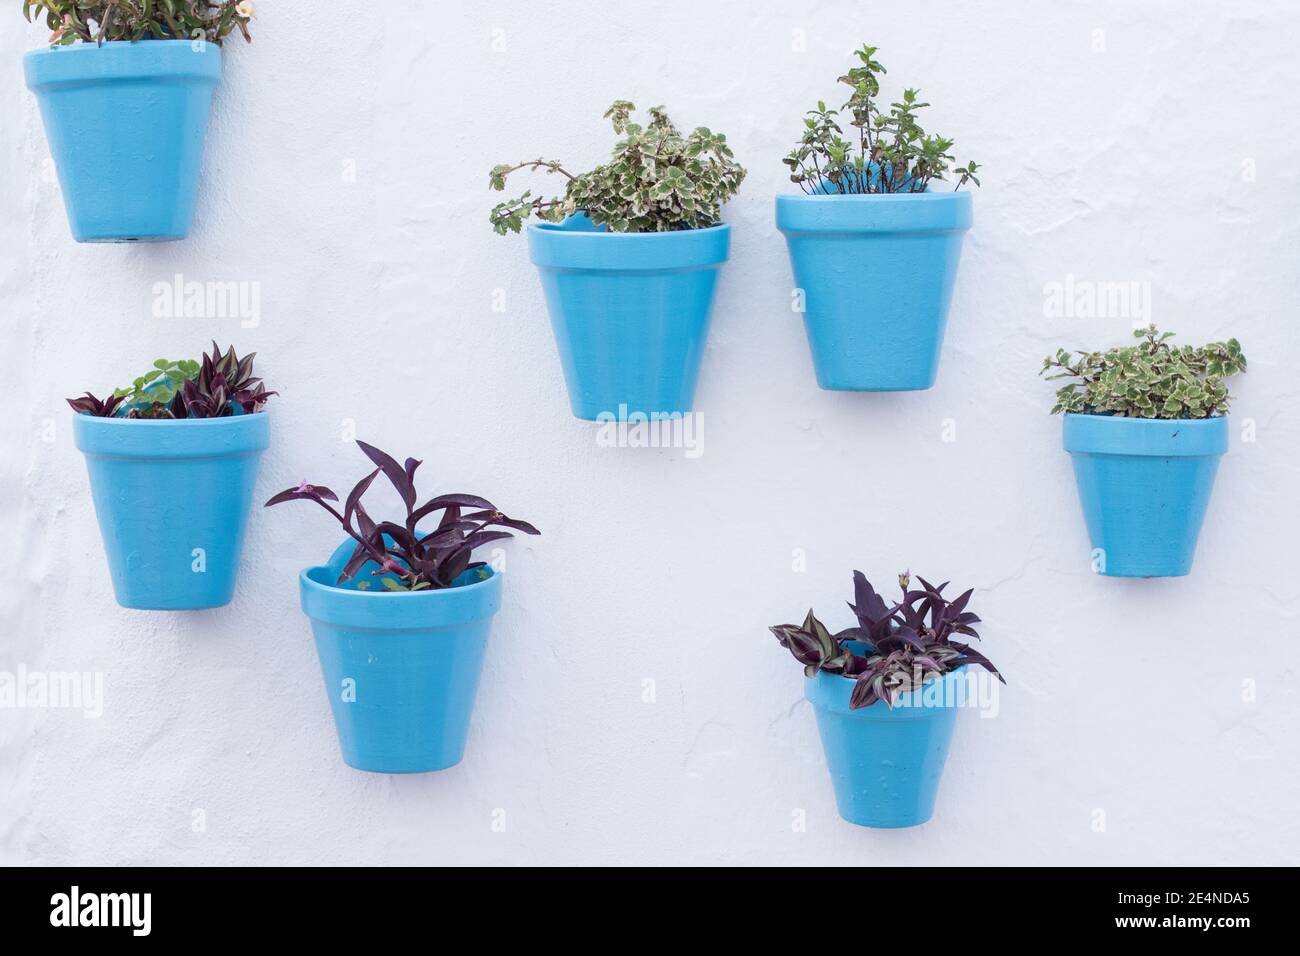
{"x":885,"y":765}
{"x":397,"y":766}
{"x":1144,"y":485}
{"x":402,"y":699}
{"x":877,"y":274}
{"x":168,"y":551}
{"x":1156,"y":571}
{"x":401,"y":670}
{"x":886,"y":771}
{"x":112,"y":237}
{"x":198,"y":605}
{"x":630,"y":313}
{"x":126,"y":122}
{"x":886,"y":823}
{"x":855,"y":387}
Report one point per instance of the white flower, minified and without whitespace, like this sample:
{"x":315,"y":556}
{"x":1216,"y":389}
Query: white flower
{"x":245,"y":8}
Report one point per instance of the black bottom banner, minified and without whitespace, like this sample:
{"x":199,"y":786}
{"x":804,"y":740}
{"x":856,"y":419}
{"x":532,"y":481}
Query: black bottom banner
{"x":342,"y":905}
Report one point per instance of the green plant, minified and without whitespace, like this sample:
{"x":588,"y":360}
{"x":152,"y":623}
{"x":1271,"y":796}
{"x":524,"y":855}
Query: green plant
{"x":888,"y":153}
{"x":656,"y":181}
{"x":149,"y":394}
{"x":211,"y":388}
{"x":894,"y":649}
{"x":1149,"y":380}
{"x":94,"y":21}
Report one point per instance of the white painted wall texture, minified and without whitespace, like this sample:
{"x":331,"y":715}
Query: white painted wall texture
{"x":345,"y":174}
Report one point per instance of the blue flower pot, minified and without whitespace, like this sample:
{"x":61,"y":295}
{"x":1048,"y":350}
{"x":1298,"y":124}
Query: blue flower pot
{"x":877,"y":273}
{"x":885,"y":764}
{"x":630,"y":312}
{"x":1144,"y":484}
{"x":401,"y":669}
{"x":125,"y":122}
{"x":172,"y":498}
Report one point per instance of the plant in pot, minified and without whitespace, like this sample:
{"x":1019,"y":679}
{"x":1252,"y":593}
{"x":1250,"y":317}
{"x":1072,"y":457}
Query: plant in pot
{"x":172,"y":462}
{"x":873,"y":245}
{"x":401,"y":619}
{"x":125,"y":88}
{"x":885,"y":693}
{"x":629,"y":258}
{"x":1145,"y":426}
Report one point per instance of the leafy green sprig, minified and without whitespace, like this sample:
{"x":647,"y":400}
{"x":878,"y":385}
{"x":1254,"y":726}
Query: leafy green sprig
{"x":886,"y":152}
{"x":153,"y":391}
{"x":94,"y":21}
{"x":657,"y":180}
{"x":1151,"y":379}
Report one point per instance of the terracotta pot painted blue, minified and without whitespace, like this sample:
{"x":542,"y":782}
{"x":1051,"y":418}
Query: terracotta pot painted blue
{"x":172,"y":499}
{"x":1145,"y":485}
{"x":877,"y":273}
{"x":401,"y":669}
{"x":126,"y":123}
{"x":885,"y":764}
{"x":630,"y":312}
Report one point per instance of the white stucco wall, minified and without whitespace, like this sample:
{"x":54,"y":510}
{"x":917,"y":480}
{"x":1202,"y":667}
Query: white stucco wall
{"x":1152,"y":143}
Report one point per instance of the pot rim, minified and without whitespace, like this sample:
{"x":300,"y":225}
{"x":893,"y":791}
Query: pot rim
{"x":1144,"y":437}
{"x":122,"y":420}
{"x":83,"y":45}
{"x":552,"y":246}
{"x":397,"y":611}
{"x":927,"y":196}
{"x":557,"y":228}
{"x":171,"y":437}
{"x":928,"y":212}
{"x":1138,"y":418}
{"x":78,"y":64}
{"x":429,"y":593}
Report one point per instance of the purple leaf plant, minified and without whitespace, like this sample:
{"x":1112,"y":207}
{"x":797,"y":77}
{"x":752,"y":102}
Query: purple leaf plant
{"x":213,"y":388}
{"x":407,"y":559}
{"x":894,"y":648}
